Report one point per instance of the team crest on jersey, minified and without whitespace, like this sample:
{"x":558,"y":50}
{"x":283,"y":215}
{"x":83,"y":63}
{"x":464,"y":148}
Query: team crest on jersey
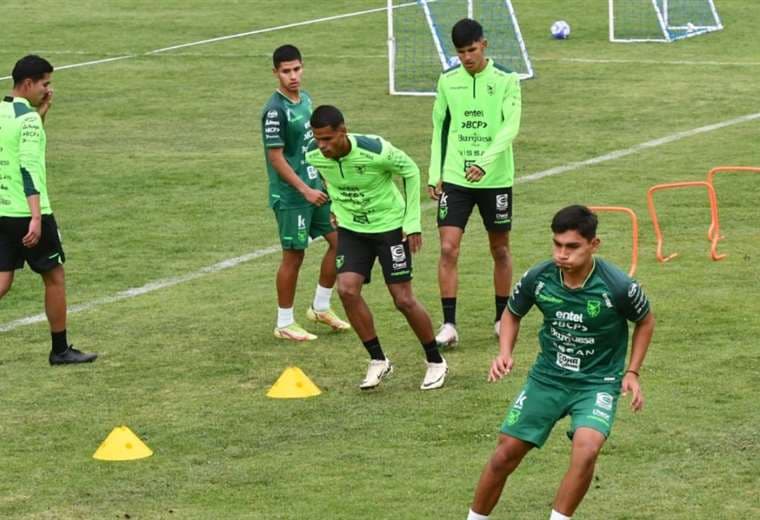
{"x":490,"y":90}
{"x":513,"y":417}
{"x":593,"y":307}
{"x":339,"y":261}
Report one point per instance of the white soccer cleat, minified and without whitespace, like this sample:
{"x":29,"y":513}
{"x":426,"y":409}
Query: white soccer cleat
{"x":435,"y":375}
{"x":328,"y":318}
{"x":294,"y":332}
{"x":497,"y":328}
{"x":447,"y":336}
{"x":376,"y":371}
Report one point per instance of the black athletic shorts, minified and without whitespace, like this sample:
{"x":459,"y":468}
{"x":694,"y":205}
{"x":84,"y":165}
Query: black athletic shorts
{"x":44,"y":257}
{"x":357,"y":253}
{"x":456,"y":203}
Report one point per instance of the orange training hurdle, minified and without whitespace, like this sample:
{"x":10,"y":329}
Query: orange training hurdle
{"x":635,"y":233}
{"x":714,"y":231}
{"x":725,"y":169}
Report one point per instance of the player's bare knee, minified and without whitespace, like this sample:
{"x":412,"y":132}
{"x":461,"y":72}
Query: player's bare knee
{"x":54,"y":277}
{"x":348,"y":293}
{"x":449,"y":252}
{"x":500,"y":254}
{"x":504,"y":460}
{"x":404,"y":302}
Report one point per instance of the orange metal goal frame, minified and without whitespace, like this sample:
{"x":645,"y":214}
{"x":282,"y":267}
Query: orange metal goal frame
{"x":714,"y":230}
{"x":635,"y":232}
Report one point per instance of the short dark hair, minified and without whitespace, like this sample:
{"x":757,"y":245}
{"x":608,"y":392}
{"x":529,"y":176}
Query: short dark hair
{"x":576,"y":218}
{"x":326,"y":115}
{"x":465,"y":32}
{"x":285,"y":53}
{"x":30,"y":66}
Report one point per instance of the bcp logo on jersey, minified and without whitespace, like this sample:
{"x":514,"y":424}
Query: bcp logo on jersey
{"x":398,"y":254}
{"x":502,"y":202}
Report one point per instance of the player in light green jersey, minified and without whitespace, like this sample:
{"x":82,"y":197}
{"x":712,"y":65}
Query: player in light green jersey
{"x":476,"y":117}
{"x":297,"y":197}
{"x":375,"y":221}
{"x":28,"y":231}
{"x":580,"y":370}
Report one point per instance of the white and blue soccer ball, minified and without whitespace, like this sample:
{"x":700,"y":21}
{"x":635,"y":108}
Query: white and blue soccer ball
{"x":454,"y":61}
{"x":560,"y":30}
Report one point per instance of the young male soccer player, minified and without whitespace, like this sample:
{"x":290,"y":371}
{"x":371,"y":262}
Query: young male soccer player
{"x":374,"y":221}
{"x":297,"y":197}
{"x":580,"y":370}
{"x":28,"y":231}
{"x":476,"y":117}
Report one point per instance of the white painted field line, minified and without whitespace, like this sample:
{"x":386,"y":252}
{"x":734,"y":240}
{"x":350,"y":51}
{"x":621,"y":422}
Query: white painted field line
{"x":604,"y":61}
{"x":231,"y":36}
{"x":233,"y":262}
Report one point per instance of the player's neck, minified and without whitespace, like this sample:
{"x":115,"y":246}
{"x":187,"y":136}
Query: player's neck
{"x":577,"y":278}
{"x":481,"y":68}
{"x":293,"y":95}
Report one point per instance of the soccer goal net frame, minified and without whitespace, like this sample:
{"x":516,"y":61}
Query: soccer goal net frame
{"x":439,"y":45}
{"x":662,"y":17}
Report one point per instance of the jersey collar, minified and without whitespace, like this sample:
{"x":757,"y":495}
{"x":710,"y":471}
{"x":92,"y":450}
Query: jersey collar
{"x":12,"y":99}
{"x":290,"y":101}
{"x":486,"y":70}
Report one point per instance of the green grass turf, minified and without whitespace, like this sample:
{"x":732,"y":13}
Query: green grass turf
{"x":156,"y":170}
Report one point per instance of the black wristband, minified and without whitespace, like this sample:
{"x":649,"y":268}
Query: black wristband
{"x":633,"y":372}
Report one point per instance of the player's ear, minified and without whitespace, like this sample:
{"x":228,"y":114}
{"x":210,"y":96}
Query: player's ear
{"x":595,"y":243}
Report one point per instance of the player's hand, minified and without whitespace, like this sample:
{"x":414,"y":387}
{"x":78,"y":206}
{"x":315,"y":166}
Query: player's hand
{"x":500,"y":367}
{"x":34,"y":233}
{"x":315,"y":197}
{"x":474,"y":173}
{"x":415,"y":242}
{"x":45,"y":104}
{"x":631,"y":384}
{"x":435,"y":191}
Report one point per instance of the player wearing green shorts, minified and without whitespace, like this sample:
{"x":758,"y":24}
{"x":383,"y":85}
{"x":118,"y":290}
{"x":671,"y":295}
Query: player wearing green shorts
{"x":297,"y":197}
{"x":476,"y":116}
{"x":28,"y":231}
{"x":375,"y":221}
{"x":580,"y":370}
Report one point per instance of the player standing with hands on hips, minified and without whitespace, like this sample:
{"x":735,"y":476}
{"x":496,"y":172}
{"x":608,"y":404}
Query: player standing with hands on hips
{"x":580,"y":370}
{"x":476,"y":116}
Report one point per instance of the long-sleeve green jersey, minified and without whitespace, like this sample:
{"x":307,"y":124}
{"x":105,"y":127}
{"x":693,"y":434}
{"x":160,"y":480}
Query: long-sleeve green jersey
{"x":364,"y":197}
{"x":475,"y":119}
{"x":22,"y":158}
{"x":584,"y":336}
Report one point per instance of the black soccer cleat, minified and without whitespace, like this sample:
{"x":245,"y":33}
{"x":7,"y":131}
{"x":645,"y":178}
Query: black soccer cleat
{"x":71,"y":356}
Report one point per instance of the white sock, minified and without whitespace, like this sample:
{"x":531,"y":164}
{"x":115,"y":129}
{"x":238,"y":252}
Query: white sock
{"x":472,"y":515}
{"x":284,"y":317}
{"x":558,"y":516}
{"x":322,"y":299}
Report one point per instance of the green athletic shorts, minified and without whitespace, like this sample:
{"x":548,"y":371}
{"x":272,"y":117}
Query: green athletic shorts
{"x":539,"y":406}
{"x":298,"y":224}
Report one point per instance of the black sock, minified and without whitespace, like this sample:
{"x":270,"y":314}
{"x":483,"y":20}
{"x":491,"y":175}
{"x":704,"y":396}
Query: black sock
{"x":449,"y":310}
{"x":431,"y":352}
{"x":374,"y":348}
{"x":501,"y":304}
{"x":60,"y":344}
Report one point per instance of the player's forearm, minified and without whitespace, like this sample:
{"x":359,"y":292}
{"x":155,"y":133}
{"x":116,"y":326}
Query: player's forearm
{"x":286,"y":173}
{"x":34,"y":206}
{"x":510,"y":327}
{"x":642,"y":336}
{"x":412,"y":218}
{"x":502,"y":141}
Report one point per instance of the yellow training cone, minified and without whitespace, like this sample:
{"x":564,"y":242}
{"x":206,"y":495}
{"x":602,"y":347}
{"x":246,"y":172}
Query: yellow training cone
{"x":293,"y":384}
{"x":122,"y":444}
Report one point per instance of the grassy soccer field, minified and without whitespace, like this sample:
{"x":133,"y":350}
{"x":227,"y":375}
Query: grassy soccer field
{"x":156,"y":171}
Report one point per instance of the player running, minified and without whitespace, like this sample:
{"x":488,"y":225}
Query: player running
{"x":580,"y":370}
{"x":374,"y":221}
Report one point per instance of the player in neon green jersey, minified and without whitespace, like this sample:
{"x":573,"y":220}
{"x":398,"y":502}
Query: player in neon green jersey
{"x":375,"y":221}
{"x":580,"y":370}
{"x":28,"y":231}
{"x":297,"y":197}
{"x":476,"y":117}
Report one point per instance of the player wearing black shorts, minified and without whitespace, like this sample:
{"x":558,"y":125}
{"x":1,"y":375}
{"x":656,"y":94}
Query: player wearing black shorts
{"x":28,"y":231}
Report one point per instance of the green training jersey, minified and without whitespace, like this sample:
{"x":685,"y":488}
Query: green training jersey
{"x":584,"y":336}
{"x":475,"y":120}
{"x":285,"y":124}
{"x":22,"y":158}
{"x":364,"y":197}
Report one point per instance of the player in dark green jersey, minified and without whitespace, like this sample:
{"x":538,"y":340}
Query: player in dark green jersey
{"x":580,"y":370}
{"x":375,"y":221}
{"x":297,"y":197}
{"x":476,"y":117}
{"x":28,"y":231}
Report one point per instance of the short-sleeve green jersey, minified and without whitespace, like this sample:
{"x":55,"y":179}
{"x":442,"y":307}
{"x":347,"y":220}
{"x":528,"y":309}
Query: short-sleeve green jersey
{"x":475,"y":120}
{"x":584,"y":336}
{"x":22,"y":158}
{"x":285,"y":124}
{"x":364,"y":197}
